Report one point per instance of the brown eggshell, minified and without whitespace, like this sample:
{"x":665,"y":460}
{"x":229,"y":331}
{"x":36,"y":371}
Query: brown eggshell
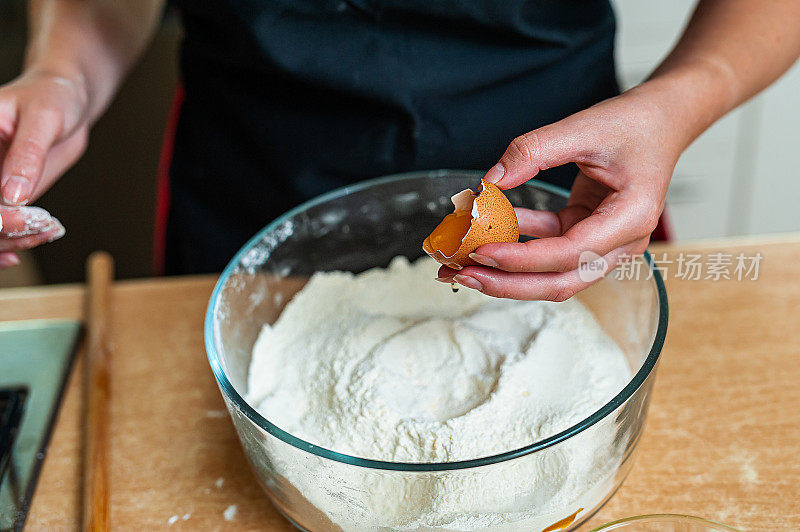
{"x":493,"y":220}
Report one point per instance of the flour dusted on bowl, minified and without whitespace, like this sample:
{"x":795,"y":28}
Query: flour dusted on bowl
{"x":389,"y":365}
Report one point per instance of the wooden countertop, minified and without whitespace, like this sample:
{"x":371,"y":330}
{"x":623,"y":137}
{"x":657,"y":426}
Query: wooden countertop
{"x":721,"y":442}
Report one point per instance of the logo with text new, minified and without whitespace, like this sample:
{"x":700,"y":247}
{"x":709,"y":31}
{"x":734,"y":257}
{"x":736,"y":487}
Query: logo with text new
{"x":591,"y":266}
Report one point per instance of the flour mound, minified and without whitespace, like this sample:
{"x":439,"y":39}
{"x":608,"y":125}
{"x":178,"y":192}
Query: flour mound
{"x":390,"y":365}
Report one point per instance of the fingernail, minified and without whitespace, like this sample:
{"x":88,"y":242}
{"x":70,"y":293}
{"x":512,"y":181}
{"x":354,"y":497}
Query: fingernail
{"x":483,"y":259}
{"x":16,"y":190}
{"x":495,"y":173}
{"x":7,"y":260}
{"x":469,"y":282}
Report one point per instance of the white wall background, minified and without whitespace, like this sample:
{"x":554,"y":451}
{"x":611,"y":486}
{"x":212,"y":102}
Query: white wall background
{"x":740,"y":177}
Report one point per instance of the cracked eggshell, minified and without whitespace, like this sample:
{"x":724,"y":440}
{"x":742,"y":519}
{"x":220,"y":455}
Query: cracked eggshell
{"x":493,"y":220}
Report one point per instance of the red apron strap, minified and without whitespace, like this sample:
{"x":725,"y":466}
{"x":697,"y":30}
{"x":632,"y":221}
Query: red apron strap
{"x":162,"y":183}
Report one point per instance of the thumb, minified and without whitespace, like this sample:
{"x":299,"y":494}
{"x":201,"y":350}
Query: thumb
{"x":543,"y":148}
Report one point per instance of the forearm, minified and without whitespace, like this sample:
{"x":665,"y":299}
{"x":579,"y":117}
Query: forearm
{"x":92,"y":43}
{"x":730,"y":50}
{"x":626,"y":149}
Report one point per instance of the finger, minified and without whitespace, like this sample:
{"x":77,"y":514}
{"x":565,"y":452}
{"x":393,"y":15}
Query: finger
{"x":549,"y":286}
{"x":619,"y":219}
{"x":446,"y":274}
{"x":31,"y":241}
{"x":538,"y":224}
{"x":553,"y":145}
{"x":24,"y":162}
{"x":585,"y":196}
{"x":8,"y":259}
{"x":16,"y":222}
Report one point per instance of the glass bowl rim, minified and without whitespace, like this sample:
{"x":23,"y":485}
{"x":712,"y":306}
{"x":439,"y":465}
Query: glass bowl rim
{"x":655,"y":518}
{"x":225,"y":385}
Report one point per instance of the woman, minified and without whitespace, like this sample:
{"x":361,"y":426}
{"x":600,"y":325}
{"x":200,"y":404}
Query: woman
{"x":285,"y":100}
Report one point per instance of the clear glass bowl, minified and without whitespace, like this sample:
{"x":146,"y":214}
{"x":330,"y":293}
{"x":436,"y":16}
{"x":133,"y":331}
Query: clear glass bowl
{"x":364,"y":226}
{"x":664,"y":523}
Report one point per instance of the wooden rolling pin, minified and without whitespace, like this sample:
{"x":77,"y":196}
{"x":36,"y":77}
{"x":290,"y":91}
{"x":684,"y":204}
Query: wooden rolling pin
{"x":100,"y":275}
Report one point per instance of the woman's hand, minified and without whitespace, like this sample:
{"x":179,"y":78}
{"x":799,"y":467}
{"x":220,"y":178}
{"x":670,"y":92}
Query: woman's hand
{"x":626,"y":150}
{"x":77,"y":55}
{"x":43,"y":130}
{"x":627,"y":147}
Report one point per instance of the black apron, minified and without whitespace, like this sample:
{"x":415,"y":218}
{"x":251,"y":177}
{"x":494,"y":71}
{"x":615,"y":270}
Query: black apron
{"x":285,"y":100}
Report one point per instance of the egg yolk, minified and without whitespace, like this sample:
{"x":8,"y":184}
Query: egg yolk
{"x":564,"y":523}
{"x":450,"y":232}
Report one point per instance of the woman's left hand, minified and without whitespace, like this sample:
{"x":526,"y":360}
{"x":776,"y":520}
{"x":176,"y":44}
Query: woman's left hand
{"x":626,"y":150}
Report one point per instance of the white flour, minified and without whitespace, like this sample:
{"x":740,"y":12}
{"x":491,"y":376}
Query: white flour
{"x":390,"y":365}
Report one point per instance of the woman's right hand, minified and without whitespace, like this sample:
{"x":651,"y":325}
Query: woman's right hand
{"x":25,"y":228}
{"x":44,"y":128}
